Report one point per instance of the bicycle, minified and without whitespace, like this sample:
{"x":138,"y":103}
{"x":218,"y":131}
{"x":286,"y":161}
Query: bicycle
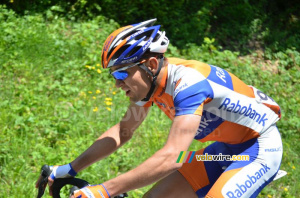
{"x":80,"y":183}
{"x":61,"y":182}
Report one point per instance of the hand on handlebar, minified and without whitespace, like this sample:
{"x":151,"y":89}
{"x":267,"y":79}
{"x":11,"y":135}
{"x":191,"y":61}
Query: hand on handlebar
{"x":95,"y":191}
{"x":63,"y":171}
{"x":61,"y":182}
{"x":54,"y":172}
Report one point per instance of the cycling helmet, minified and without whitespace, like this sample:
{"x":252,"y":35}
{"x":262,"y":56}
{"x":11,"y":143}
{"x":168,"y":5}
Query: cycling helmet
{"x":129,"y":43}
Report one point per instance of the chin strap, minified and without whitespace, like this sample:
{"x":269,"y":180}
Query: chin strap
{"x":154,"y":78}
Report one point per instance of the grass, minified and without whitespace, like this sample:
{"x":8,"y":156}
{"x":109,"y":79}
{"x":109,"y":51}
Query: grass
{"x":56,"y":99}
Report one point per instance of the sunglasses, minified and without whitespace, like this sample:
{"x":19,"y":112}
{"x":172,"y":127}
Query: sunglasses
{"x":122,"y":74}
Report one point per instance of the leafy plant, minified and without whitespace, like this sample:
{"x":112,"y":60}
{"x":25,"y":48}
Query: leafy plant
{"x":56,"y":99}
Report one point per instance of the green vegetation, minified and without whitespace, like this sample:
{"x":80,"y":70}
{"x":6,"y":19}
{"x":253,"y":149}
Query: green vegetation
{"x":236,"y":25}
{"x":56,"y":99}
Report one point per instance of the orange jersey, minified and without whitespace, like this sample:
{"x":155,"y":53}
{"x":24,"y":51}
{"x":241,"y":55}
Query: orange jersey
{"x":232,"y":112}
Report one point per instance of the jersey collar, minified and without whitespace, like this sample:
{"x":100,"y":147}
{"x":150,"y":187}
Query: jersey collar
{"x":161,"y":85}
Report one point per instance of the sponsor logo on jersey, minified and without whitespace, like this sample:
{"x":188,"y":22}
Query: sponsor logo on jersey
{"x":179,"y":88}
{"x":161,"y":104}
{"x":203,"y":124}
{"x":247,"y":111}
{"x":221,"y":74}
{"x":243,"y":187}
{"x":209,"y":123}
{"x":274,"y":149}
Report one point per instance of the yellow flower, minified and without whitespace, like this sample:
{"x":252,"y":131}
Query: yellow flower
{"x":114,"y":93}
{"x":90,"y":92}
{"x":109,"y":109}
{"x":11,"y":1}
{"x":270,"y":196}
{"x":108,"y":103}
{"x":98,"y":91}
{"x":285,"y":189}
{"x":108,"y":99}
{"x":99,"y":71}
{"x":87,"y":66}
{"x":82,"y":94}
{"x":95,"y":109}
{"x":94,"y":97}
{"x":93,"y":67}
{"x":98,"y":65}
{"x":293,"y":167}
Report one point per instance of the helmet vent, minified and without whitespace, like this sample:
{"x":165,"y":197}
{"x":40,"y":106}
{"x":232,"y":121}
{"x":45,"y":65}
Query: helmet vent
{"x":156,"y":37}
{"x":109,"y":53}
{"x":120,"y":51}
{"x":140,"y":36}
{"x":133,"y":51}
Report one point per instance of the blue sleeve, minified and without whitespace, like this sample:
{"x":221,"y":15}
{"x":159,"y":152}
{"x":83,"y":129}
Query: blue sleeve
{"x":190,"y":100}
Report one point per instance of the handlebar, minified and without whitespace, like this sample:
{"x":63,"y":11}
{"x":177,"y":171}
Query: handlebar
{"x":61,"y":182}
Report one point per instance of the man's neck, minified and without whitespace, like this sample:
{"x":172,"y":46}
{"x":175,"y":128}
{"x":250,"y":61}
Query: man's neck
{"x":161,"y":74}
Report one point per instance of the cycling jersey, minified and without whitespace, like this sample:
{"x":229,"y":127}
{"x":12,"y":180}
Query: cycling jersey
{"x":233,"y":179}
{"x":232,"y":112}
{"x":240,"y":118}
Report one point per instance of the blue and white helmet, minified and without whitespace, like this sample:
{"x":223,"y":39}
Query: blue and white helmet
{"x":129,"y":43}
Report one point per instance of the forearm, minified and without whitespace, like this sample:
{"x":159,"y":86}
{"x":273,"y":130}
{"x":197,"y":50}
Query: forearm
{"x":161,"y":164}
{"x":112,"y":139}
{"x":106,"y":144}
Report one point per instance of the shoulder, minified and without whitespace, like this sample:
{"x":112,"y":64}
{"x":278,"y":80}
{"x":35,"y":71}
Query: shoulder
{"x":183,"y":74}
{"x":193,"y":65}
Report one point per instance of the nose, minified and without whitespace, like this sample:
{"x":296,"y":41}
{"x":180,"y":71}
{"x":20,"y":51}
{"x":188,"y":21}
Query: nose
{"x":119,"y":83}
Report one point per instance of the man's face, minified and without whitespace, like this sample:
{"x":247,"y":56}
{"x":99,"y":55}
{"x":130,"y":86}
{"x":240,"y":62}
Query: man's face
{"x":136,"y":85}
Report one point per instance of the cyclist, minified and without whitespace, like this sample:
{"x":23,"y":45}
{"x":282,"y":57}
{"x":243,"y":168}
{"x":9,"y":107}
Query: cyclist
{"x":205,"y":103}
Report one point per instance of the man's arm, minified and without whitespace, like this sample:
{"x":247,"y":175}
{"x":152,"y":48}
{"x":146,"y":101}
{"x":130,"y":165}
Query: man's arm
{"x":163,"y":162}
{"x":113,"y":138}
{"x":109,"y":141}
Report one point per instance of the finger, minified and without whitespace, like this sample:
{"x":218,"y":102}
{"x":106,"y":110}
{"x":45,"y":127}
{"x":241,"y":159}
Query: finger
{"x":50,"y":183}
{"x":38,"y":181}
{"x":50,"y":191}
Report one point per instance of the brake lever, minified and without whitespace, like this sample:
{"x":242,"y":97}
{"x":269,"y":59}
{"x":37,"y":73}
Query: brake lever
{"x":45,"y":172}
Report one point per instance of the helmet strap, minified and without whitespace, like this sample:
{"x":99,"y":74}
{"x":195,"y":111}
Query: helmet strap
{"x":154,"y":78}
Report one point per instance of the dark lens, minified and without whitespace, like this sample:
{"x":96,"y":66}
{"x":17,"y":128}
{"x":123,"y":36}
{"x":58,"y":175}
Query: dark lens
{"x":120,"y":75}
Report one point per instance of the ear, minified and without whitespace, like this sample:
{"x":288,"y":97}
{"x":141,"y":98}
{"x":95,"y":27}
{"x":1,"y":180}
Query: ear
{"x":152,"y":64}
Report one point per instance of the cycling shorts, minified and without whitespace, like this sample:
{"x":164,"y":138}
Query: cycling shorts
{"x":230,"y":179}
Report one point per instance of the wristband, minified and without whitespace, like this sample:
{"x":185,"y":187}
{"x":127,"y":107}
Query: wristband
{"x":63,"y":171}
